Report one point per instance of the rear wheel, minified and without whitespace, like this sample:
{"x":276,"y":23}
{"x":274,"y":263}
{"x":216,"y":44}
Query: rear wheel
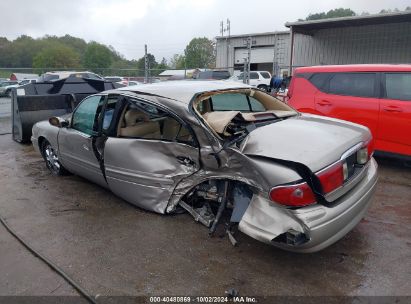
{"x":52,"y":160}
{"x":263,"y":87}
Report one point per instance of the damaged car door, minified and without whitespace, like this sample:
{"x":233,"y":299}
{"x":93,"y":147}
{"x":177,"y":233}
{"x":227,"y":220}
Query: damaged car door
{"x":76,"y":142}
{"x":150,"y":153}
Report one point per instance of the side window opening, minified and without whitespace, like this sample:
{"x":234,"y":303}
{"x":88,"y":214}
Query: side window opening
{"x":353,"y":84}
{"x":254,"y":75}
{"x":398,"y":86}
{"x":146,"y":121}
{"x":85,"y":117}
{"x":109,"y":112}
{"x":319,"y":80}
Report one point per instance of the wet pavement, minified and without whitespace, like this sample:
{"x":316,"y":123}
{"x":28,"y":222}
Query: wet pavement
{"x":5,"y":107}
{"x":113,"y":248}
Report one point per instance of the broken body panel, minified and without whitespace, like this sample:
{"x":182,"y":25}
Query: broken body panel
{"x":217,"y":171}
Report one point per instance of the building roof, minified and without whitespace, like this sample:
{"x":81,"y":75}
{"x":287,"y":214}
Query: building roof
{"x":312,"y":25}
{"x":183,"y":90}
{"x":355,"y":68}
{"x":254,"y":35}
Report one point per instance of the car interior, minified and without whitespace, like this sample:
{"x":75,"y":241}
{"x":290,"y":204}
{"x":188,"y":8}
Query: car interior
{"x":148,"y":122}
{"x":229,"y":112}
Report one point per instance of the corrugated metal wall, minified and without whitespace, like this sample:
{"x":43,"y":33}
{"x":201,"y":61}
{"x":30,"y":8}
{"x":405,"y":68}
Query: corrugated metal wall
{"x":383,"y":43}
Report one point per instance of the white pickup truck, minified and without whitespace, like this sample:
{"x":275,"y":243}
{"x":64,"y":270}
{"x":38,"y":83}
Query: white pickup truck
{"x":258,"y":79}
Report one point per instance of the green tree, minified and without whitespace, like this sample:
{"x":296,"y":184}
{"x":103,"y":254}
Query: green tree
{"x":200,"y":53}
{"x":152,"y":64}
{"x":177,"y":61}
{"x":97,"y":56}
{"x":335,"y":13}
{"x":56,"y":56}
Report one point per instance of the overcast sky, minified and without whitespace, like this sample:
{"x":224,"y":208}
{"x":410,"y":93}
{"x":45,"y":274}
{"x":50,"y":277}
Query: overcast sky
{"x":166,"y":26}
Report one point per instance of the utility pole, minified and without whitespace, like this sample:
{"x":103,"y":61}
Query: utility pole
{"x":222,"y":28}
{"x":145,"y":64}
{"x":275,"y":61}
{"x":245,"y":71}
{"x":227,"y":40}
{"x":246,"y":76}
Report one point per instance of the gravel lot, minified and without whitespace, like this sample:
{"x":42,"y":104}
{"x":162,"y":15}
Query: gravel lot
{"x":113,"y":248}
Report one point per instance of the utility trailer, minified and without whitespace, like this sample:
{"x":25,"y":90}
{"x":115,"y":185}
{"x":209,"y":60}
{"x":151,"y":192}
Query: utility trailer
{"x":39,"y":101}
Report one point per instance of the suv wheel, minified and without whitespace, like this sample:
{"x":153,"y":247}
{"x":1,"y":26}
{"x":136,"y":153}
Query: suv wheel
{"x":263,"y":87}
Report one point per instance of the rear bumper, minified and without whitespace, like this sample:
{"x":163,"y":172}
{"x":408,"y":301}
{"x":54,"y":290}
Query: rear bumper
{"x":321,"y":225}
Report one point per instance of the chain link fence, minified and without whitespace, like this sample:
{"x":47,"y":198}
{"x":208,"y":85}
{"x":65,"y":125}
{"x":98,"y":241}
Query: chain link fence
{"x":134,"y":74}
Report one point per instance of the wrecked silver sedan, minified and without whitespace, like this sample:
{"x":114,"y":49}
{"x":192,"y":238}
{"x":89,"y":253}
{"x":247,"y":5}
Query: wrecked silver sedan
{"x":232,"y":156}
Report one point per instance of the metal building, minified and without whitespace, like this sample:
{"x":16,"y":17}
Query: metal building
{"x":380,"y":38}
{"x":269,"y":51}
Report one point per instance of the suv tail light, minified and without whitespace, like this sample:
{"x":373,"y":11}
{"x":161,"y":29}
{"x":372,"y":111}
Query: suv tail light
{"x":296,"y":195}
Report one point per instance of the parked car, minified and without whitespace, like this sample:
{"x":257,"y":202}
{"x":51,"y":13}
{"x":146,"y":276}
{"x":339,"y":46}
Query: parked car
{"x":213,"y":75}
{"x":117,"y":79}
{"x":258,"y":79}
{"x":27,"y":81}
{"x":376,"y":96}
{"x":5,"y":87}
{"x":133,"y":83}
{"x":227,"y":153}
{"x":6,"y":90}
{"x":57,"y":75}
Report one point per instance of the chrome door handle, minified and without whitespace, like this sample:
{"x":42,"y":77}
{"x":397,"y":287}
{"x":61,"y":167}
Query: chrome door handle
{"x":85,"y":147}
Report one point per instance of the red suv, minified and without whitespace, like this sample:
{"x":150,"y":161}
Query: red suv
{"x":374,"y":95}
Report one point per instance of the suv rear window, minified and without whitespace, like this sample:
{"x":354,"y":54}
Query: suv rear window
{"x":353,"y":84}
{"x":265,"y":75}
{"x":398,"y":86}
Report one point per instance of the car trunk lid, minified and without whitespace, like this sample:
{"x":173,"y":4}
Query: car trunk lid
{"x":308,"y":139}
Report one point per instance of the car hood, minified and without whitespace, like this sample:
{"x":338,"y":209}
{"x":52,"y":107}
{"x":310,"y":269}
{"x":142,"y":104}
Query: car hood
{"x":312,"y":140}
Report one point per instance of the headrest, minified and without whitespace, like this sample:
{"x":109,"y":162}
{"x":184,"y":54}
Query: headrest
{"x":134,"y":116}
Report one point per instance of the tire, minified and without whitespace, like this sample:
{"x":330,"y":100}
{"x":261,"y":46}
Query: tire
{"x":8,"y":93}
{"x":51,"y":158}
{"x":263,"y":87}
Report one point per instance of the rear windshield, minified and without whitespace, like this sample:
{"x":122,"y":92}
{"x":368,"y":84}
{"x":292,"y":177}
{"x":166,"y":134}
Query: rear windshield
{"x":236,"y":102}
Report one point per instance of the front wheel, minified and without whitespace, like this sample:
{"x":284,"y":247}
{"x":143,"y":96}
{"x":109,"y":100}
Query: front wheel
{"x":52,"y":160}
{"x":263,"y":87}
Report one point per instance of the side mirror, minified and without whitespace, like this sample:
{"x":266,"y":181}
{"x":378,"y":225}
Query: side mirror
{"x":58,"y":122}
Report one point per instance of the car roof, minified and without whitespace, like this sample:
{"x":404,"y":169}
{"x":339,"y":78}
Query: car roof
{"x":356,"y":68}
{"x":183,"y":90}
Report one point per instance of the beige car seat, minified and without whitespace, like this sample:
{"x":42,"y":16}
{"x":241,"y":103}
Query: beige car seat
{"x":171,"y":129}
{"x":138,"y":124}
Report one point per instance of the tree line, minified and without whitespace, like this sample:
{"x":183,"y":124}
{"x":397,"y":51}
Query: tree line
{"x":68,"y":52}
{"x":346,"y":12}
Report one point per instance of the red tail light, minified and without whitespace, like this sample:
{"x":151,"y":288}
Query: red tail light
{"x":293,"y":195}
{"x":333,"y":177}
